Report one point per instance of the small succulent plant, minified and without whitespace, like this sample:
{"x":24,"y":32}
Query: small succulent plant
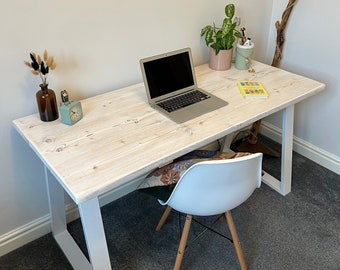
{"x":41,"y":65}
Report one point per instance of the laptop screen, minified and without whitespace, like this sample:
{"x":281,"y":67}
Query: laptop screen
{"x":168,"y":73}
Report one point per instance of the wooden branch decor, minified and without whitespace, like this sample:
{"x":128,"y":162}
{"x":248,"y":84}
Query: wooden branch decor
{"x":252,"y":144}
{"x":280,"y":31}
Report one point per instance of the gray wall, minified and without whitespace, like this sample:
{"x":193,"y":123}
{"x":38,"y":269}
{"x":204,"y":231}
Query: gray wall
{"x":310,"y":50}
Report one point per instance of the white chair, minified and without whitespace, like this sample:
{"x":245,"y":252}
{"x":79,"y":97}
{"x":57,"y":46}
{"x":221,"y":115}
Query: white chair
{"x":214,"y":187}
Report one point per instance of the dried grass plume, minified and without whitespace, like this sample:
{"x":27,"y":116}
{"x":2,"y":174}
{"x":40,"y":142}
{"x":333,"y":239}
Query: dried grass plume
{"x":41,"y":65}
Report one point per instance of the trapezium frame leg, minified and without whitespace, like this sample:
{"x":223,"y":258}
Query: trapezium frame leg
{"x":284,"y":186}
{"x":94,"y":234}
{"x":65,"y":241}
{"x":92,"y":225}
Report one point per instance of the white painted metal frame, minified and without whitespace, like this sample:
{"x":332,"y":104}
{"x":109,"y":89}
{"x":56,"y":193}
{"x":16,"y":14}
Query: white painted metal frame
{"x":92,"y":225}
{"x":284,"y":186}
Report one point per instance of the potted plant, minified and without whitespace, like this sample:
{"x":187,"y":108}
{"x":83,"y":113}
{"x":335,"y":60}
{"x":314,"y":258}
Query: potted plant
{"x":221,"y":40}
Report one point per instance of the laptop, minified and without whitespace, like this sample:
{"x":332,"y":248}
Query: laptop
{"x":171,"y":87}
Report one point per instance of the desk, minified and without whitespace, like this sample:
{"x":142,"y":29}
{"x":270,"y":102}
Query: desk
{"x":121,"y":138}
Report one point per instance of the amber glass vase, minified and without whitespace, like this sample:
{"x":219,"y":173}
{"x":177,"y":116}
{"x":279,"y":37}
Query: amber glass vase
{"x":47,"y":104}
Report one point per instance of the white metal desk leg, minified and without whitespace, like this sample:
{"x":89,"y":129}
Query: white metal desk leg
{"x":94,"y":234}
{"x":287,"y":149}
{"x":56,"y":198}
{"x":226,"y":142}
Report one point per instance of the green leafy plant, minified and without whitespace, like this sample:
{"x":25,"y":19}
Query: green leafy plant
{"x":222,"y":38}
{"x":41,"y":65}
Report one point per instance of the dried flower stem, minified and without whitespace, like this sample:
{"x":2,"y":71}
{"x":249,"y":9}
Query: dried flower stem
{"x":41,"y":65}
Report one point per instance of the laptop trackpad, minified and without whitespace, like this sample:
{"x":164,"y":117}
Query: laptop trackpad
{"x":182,"y":115}
{"x":198,"y":109}
{"x":195,"y":110}
{"x":207,"y":105}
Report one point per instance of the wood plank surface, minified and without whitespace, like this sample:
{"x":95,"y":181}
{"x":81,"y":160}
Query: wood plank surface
{"x":121,"y":137}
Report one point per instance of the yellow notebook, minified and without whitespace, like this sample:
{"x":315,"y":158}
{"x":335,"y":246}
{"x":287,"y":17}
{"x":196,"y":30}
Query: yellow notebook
{"x":250,"y":89}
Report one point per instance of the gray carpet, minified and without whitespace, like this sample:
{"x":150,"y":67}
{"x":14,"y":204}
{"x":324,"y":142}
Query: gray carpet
{"x":297,"y":231}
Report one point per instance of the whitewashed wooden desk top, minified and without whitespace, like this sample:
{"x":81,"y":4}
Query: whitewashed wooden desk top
{"x":121,"y":137}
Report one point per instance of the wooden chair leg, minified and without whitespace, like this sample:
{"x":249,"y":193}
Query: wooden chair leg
{"x":163,"y":218}
{"x":236,"y":240}
{"x":183,"y":242}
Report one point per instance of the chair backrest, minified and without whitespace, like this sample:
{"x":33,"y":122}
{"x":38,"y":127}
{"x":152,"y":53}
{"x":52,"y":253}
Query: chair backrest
{"x":216,"y":186}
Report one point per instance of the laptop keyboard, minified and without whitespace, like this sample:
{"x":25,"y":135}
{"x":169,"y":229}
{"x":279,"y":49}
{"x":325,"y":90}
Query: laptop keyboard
{"x":182,"y":101}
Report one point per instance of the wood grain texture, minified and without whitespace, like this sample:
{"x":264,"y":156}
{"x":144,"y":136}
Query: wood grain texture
{"x":121,"y":137}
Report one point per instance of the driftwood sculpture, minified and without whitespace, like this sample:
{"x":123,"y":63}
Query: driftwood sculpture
{"x":280,"y":31}
{"x":252,"y":144}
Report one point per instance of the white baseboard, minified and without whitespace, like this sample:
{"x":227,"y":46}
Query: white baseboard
{"x":24,"y":234}
{"x":32,"y":231}
{"x":41,"y":226}
{"x":310,"y":151}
